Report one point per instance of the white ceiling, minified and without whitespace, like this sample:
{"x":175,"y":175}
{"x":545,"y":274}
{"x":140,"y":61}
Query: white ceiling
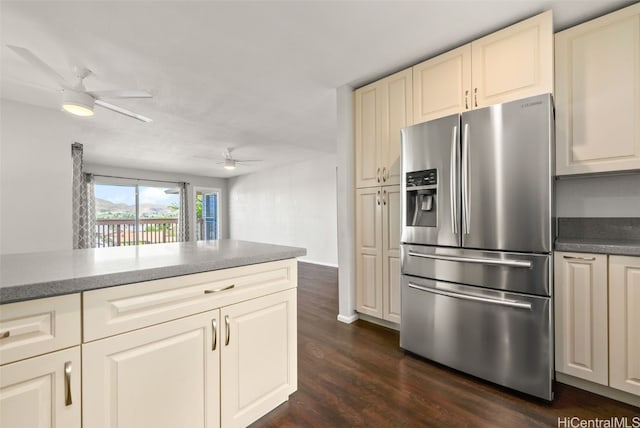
{"x":259,"y":77}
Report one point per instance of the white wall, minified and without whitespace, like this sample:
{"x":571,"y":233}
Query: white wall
{"x":193,"y":180}
{"x":600,"y":196}
{"x":291,"y":205}
{"x":35,"y":179}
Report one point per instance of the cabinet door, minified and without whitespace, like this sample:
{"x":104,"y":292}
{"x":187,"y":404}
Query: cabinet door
{"x":367,"y":133}
{"x":397,"y":113}
{"x":38,"y":393}
{"x":368,"y":251}
{"x":598,"y":94}
{"x":391,"y":225}
{"x":442,"y":85}
{"x":624,"y":323}
{"x":259,"y":357}
{"x":164,"y":376}
{"x":581,"y":316}
{"x":513,"y":63}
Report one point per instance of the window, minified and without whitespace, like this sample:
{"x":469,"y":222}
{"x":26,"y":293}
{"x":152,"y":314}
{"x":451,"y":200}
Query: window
{"x":206,"y":214}
{"x":132,"y":213}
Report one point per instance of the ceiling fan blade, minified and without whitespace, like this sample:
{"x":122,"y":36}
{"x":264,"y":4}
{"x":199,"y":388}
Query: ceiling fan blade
{"x":32,"y":59}
{"x":248,"y":160}
{"x":123,"y":111}
{"x":121,"y":94}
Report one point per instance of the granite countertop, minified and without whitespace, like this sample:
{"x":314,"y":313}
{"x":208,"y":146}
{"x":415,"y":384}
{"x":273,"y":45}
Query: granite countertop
{"x":37,"y":275}
{"x":619,"y":236}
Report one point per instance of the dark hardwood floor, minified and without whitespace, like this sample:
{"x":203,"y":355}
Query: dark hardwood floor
{"x":357,"y":376}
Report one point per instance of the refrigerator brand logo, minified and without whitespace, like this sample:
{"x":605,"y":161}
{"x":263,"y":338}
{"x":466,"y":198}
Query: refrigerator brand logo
{"x":536,"y":103}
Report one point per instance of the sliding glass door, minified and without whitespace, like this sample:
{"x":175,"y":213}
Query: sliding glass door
{"x":206,"y":214}
{"x":133,"y":214}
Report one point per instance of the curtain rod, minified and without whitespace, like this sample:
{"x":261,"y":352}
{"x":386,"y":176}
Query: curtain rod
{"x":137,"y":179}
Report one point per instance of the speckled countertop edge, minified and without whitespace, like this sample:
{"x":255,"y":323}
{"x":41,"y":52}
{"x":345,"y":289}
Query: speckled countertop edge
{"x":614,"y":247}
{"x":48,"y":274}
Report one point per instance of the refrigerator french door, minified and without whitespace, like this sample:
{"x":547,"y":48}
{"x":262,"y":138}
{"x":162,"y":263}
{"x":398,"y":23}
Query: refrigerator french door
{"x":477,"y":236}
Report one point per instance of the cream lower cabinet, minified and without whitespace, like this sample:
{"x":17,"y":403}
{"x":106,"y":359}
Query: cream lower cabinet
{"x":581,"y":316}
{"x":42,"y":392}
{"x":259,"y":357}
{"x":624,"y":323}
{"x":40,"y":367}
{"x":597,"y":319}
{"x":378,"y":252}
{"x":166,"y":376}
{"x":598,"y":94}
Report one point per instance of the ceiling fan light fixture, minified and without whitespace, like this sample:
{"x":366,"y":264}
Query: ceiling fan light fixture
{"x":229,"y":164}
{"x":77,"y":103}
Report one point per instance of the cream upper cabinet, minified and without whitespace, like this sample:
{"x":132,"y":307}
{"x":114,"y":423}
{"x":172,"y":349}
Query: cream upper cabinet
{"x":378,"y":252}
{"x":381,"y":109}
{"x":581,"y":316}
{"x":624,"y":323}
{"x":442,"y":85}
{"x":513,"y":63}
{"x":598,"y":94}
{"x":42,"y":392}
{"x":259,"y":357}
{"x":166,"y":375}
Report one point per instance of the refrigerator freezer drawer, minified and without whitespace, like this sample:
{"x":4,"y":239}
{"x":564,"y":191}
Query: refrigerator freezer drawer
{"x":520,"y":273}
{"x":505,"y":338}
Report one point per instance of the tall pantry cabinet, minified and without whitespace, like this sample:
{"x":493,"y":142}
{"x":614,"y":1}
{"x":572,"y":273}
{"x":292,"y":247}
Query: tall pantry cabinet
{"x":381,"y":109}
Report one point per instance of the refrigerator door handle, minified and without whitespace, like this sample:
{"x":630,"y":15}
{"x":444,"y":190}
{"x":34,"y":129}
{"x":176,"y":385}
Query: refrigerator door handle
{"x":497,"y":262}
{"x":453,"y":179}
{"x":466,"y":209}
{"x":462,"y":296}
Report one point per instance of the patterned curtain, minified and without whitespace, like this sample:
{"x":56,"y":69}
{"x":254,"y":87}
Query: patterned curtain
{"x":183,"y":215}
{"x":84,"y":203}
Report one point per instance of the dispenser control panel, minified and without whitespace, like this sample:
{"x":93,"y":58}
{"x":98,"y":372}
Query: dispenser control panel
{"x":422,"y":178}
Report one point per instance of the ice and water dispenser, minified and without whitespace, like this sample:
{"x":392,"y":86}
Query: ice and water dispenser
{"x":422,"y":198}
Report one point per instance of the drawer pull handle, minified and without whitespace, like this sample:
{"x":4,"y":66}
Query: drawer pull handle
{"x":67,"y":384}
{"x":5,"y":334}
{"x":227,"y":329}
{"x":214,"y":327}
{"x":587,"y":259}
{"x":217,"y":290}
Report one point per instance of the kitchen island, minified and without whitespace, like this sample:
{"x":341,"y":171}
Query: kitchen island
{"x":183,"y":334}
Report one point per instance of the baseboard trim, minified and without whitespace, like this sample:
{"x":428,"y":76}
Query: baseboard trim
{"x":596,"y":388}
{"x":347,"y":319}
{"x":374,"y":320}
{"x":319,"y":263}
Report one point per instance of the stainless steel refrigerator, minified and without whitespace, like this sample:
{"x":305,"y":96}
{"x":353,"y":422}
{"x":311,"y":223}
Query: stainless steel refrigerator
{"x":477,"y":236}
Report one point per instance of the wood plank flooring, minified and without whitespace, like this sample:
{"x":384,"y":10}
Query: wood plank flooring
{"x":357,"y":376}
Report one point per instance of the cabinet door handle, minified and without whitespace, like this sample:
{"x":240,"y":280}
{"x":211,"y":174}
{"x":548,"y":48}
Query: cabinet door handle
{"x":378,"y":175}
{"x":227,"y":329}
{"x":466,"y":99}
{"x":378,"y":197}
{"x":587,"y":259}
{"x":475,"y":93}
{"x":384,"y":196}
{"x":67,"y":384}
{"x":217,"y":290}
{"x":384,"y":174}
{"x":214,"y":333}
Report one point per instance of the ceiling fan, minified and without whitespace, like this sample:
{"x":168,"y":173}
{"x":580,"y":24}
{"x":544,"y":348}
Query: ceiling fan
{"x":75,"y":97}
{"x":229,"y":162}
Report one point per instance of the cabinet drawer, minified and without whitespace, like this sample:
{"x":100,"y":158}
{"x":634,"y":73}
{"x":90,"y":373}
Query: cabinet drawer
{"x":120,"y":309}
{"x":38,"y":326}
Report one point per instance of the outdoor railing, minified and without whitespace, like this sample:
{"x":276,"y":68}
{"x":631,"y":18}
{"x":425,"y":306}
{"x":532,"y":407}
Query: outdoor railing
{"x":115,"y":233}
